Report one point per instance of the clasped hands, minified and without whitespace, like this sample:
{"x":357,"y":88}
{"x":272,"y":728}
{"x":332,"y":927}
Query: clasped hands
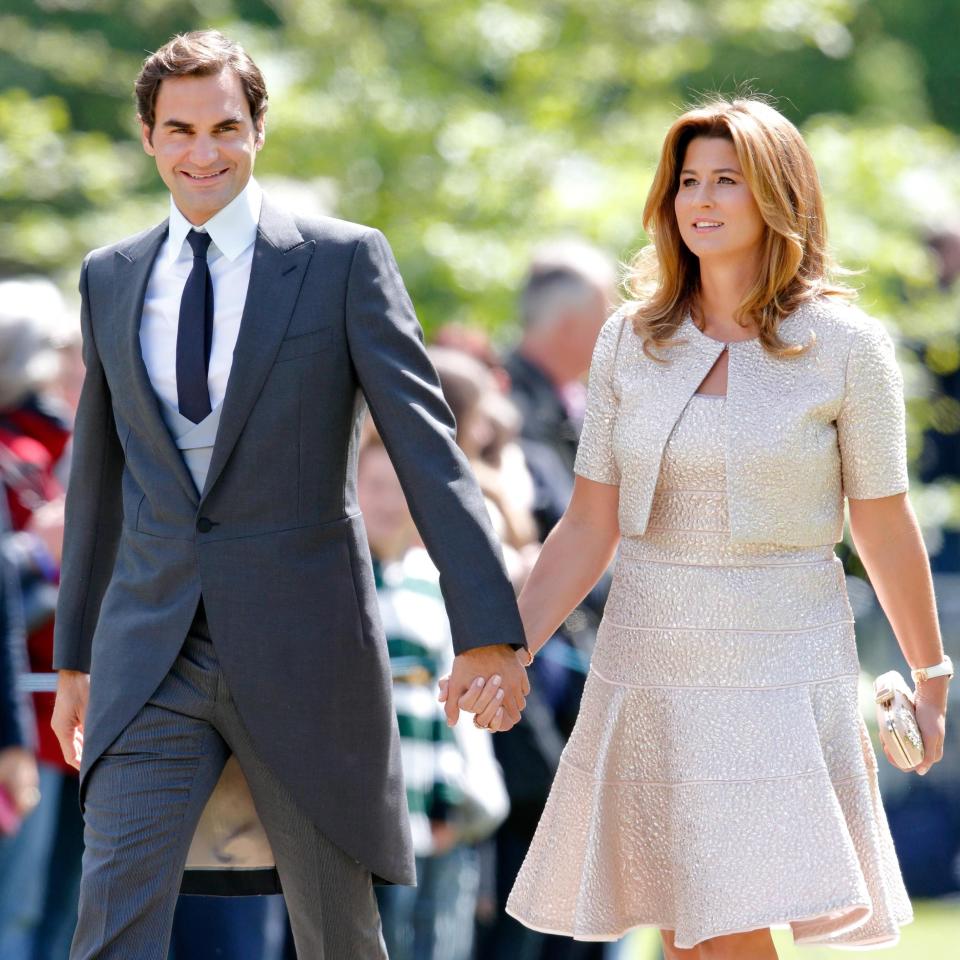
{"x":489,"y":682}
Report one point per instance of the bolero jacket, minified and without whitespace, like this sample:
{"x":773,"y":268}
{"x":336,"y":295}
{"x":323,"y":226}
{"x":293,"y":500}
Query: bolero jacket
{"x":801,"y":433}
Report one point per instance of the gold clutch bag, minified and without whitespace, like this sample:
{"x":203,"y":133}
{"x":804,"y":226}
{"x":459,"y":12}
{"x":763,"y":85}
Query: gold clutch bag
{"x":897,"y":721}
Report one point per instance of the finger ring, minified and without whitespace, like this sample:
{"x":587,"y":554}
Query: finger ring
{"x":479,"y":726}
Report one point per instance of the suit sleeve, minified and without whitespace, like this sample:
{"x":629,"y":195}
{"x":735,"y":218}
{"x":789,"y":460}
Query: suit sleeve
{"x":418,"y":431}
{"x":93,"y":509}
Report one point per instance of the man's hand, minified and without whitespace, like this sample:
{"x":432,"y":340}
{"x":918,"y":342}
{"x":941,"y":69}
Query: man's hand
{"x":18,"y":776}
{"x":69,"y":710}
{"x":490,"y":682}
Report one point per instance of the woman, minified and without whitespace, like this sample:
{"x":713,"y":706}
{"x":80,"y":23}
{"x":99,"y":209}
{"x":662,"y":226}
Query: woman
{"x":720,"y":780}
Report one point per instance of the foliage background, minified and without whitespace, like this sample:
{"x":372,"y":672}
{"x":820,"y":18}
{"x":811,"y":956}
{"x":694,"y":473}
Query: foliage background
{"x":470,"y":129}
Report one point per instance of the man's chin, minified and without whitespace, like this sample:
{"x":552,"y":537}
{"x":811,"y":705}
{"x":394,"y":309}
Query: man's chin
{"x":200,"y":205}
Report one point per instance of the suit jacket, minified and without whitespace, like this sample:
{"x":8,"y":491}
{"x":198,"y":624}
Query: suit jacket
{"x":548,"y":437}
{"x":275,"y":542}
{"x":802,"y":432}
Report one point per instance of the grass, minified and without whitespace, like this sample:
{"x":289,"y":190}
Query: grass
{"x":933,"y":935}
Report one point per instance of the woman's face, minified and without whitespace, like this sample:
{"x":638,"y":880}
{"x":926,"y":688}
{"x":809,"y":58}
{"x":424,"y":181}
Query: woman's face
{"x":716,"y":212}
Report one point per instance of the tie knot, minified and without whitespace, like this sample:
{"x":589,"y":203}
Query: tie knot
{"x":198,"y":243}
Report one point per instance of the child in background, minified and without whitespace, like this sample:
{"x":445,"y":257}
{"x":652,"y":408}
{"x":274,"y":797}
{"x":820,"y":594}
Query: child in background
{"x":454,"y":787}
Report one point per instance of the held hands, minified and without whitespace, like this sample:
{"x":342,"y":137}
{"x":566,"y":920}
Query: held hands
{"x":489,"y":682}
{"x":69,"y":711}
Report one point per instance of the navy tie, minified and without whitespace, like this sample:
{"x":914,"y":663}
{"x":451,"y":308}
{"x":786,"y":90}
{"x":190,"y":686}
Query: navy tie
{"x":195,"y":333}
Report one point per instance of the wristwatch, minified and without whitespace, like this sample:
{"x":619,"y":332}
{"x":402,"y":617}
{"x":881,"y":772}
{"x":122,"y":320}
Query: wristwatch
{"x":943,"y":669}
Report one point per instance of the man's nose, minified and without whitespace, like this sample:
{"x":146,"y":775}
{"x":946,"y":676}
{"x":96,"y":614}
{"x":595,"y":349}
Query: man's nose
{"x":204,"y":151}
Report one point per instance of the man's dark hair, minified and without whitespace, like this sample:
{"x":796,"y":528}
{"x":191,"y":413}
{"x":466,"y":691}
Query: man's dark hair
{"x":202,"y":53}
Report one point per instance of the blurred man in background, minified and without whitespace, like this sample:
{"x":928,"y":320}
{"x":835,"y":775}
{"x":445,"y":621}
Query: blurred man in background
{"x":568,"y":292}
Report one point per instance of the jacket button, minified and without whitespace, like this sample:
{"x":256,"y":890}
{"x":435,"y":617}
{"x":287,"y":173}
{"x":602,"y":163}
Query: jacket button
{"x":205,"y":525}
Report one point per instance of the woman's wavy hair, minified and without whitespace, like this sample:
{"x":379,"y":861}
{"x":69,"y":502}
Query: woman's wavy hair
{"x":664,"y":277}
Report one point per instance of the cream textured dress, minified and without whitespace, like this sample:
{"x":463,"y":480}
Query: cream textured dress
{"x":719,"y":778}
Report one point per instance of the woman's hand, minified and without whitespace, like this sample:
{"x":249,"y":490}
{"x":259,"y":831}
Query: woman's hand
{"x":931,"y":703}
{"x":483,"y":699}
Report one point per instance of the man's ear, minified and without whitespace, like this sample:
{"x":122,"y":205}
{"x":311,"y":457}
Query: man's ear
{"x":261,"y":132}
{"x":146,"y":138}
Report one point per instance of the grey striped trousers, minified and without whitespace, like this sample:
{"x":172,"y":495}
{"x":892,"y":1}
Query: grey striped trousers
{"x":144,"y":798}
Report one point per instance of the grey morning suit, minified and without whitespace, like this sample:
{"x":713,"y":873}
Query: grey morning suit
{"x":286,"y":661}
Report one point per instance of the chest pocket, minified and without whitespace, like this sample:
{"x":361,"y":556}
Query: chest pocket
{"x":304,"y":345}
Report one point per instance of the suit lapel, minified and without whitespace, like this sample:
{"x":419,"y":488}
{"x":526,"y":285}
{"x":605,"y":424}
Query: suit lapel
{"x":280,"y":258}
{"x":132,"y":267}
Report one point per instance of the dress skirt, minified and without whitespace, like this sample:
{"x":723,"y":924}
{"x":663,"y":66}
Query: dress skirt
{"x":719,"y":778}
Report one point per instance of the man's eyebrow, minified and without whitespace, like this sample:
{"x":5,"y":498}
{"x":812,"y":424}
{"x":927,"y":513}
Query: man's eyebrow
{"x":184,"y":125}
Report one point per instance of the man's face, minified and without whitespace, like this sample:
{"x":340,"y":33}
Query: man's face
{"x":204,"y":141}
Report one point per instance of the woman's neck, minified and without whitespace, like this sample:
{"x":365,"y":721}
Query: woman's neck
{"x":723,"y":286}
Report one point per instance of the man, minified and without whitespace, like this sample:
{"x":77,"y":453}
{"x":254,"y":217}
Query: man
{"x":566,"y":296}
{"x":217,"y":596}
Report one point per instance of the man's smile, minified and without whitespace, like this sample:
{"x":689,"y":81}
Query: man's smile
{"x":204,"y":177}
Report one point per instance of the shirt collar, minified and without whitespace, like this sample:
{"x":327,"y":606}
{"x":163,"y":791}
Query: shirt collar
{"x":231,"y":229}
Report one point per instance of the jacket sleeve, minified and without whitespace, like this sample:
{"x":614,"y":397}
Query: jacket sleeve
{"x":870,"y":425}
{"x":418,"y":431}
{"x":93,"y":509}
{"x":595,"y":459}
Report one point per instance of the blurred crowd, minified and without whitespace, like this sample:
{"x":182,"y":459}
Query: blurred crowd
{"x":474,"y":799}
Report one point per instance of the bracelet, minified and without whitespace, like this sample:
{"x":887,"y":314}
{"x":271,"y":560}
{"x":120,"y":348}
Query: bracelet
{"x":942,"y":669}
{"x":529,"y":654}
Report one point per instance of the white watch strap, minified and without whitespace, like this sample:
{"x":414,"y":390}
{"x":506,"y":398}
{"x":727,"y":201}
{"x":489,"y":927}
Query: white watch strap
{"x":943,"y":669}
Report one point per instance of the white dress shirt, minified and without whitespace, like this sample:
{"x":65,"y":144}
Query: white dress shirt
{"x":232,"y":234}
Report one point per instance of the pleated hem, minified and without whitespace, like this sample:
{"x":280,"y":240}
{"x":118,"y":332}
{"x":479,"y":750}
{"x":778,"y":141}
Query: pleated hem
{"x":825,"y":939}
{"x":609,"y":857}
{"x":876,"y":943}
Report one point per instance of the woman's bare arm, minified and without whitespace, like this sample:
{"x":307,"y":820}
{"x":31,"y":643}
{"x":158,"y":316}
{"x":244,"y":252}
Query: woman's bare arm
{"x":574,"y":556}
{"x":889,"y":543}
{"x":578,"y":550}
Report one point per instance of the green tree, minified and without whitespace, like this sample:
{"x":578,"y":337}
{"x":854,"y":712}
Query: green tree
{"x":470,"y":129}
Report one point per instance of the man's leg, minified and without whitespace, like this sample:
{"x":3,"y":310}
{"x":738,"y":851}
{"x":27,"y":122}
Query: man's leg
{"x":330,"y":899}
{"x":144,"y":797}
